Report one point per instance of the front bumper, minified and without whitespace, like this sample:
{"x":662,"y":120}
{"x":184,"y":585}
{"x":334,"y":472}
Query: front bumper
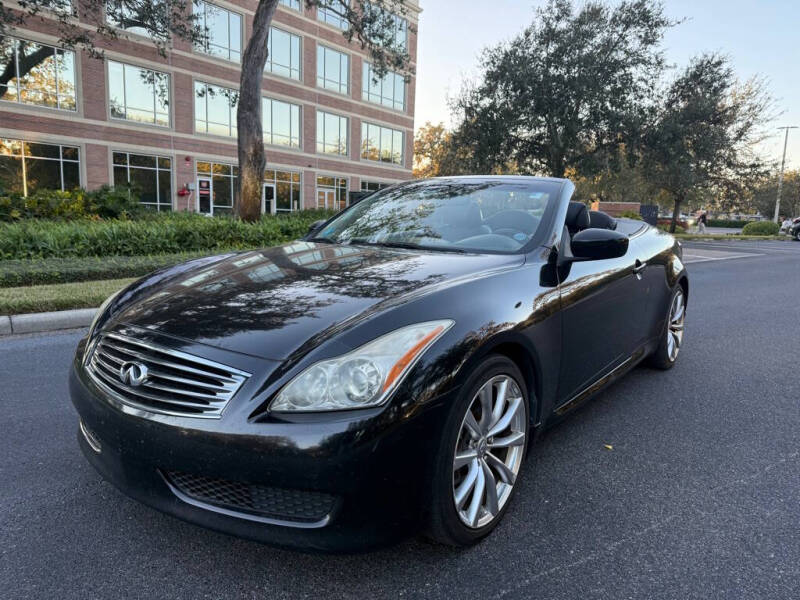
{"x":373,"y":464}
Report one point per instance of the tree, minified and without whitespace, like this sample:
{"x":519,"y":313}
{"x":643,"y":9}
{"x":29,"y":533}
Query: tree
{"x":371,"y":23}
{"x":766,"y":191}
{"x":705,"y":131}
{"x":435,"y":152}
{"x":568,"y":91}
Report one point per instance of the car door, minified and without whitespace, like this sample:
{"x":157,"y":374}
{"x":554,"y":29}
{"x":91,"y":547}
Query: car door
{"x":603,"y":306}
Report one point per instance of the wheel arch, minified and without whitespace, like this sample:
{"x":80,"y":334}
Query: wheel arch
{"x":523,"y":355}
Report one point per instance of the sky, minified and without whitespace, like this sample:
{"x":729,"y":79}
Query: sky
{"x":760,"y":37}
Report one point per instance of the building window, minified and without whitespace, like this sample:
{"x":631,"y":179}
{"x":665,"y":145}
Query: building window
{"x":330,"y":12}
{"x":382,"y":19}
{"x":288,"y":189}
{"x":124,"y":17}
{"x":36,"y":74}
{"x":224,"y":30}
{"x":217,"y":187}
{"x":389,"y":91}
{"x":215,"y":109}
{"x":332,"y":133}
{"x":281,"y":123}
{"x":331,"y":192}
{"x":381,"y":143}
{"x":138,"y":94}
{"x":333,"y":70}
{"x":284,"y":57}
{"x":293,"y":4}
{"x":148,"y":176}
{"x":373,"y":186}
{"x":27,"y":167}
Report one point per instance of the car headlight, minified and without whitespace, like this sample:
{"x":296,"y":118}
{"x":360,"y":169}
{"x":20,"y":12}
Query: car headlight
{"x":362,"y":378}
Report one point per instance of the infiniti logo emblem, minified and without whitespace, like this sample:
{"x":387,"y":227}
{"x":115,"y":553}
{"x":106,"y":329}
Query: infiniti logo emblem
{"x":132,"y":373}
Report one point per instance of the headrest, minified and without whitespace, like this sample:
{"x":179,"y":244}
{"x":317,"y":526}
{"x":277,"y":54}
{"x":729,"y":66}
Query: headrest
{"x":460,"y":215}
{"x":601,"y":220}
{"x":577,"y":217}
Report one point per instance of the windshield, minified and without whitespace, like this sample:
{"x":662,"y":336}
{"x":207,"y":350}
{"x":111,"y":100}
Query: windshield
{"x":447,"y":215}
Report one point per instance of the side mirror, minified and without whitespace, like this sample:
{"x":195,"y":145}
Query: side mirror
{"x":598,"y":244}
{"x":316,"y":225}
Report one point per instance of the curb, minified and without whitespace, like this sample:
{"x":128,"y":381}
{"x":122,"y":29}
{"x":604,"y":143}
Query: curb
{"x":46,"y":321}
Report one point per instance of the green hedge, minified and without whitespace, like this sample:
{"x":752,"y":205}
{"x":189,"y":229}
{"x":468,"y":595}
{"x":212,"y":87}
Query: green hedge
{"x":761,"y":228}
{"x":726,"y":223}
{"x":104,"y":203}
{"x":164,"y":234}
{"x":91,"y":268}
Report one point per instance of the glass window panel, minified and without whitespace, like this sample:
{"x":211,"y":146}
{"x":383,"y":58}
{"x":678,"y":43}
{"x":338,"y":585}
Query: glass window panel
{"x":72,"y":175}
{"x":144,"y":182}
{"x":203,"y":167}
{"x":164,"y":190}
{"x":120,"y":158}
{"x":389,"y":91}
{"x":138,"y":94}
{"x":333,"y":70}
{"x":120,"y":175}
{"x":41,"y":150}
{"x":223,"y":195}
{"x":224,"y":30}
{"x":330,"y":14}
{"x":70,"y":153}
{"x":11,"y":179}
{"x":397,"y":147}
{"x":284,"y":54}
{"x":281,"y":123}
{"x":8,"y":65}
{"x":294,"y":4}
{"x":42,"y":174}
{"x":142,"y":160}
{"x":164,"y":163}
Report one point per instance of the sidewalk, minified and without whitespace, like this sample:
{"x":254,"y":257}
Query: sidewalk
{"x":46,"y":321}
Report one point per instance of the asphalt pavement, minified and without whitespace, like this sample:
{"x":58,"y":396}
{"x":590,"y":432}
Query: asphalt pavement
{"x":699,"y":496}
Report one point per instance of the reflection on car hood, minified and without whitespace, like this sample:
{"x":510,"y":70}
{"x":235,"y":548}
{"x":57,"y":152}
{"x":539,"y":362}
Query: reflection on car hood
{"x":268,"y":303}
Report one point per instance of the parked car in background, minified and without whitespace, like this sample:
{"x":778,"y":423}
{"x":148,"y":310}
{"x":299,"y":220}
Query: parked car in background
{"x":794,"y":230}
{"x":386,"y":374}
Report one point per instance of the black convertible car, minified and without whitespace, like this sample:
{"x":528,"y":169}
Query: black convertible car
{"x":386,"y":373}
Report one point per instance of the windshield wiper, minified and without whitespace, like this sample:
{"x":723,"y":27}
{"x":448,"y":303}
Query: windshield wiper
{"x":324,"y":240}
{"x":406,"y":246}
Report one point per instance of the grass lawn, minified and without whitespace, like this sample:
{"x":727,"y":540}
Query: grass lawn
{"x":62,"y":296}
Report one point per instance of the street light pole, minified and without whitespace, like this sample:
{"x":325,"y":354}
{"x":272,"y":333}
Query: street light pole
{"x":783,"y":164}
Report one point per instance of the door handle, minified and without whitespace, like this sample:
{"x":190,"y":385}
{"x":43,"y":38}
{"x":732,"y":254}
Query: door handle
{"x":639,"y":266}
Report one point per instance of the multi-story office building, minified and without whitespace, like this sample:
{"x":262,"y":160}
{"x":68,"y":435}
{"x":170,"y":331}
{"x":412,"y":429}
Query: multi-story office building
{"x":168,"y":124}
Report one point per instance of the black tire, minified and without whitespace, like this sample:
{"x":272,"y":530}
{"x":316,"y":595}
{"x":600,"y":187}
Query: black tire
{"x":444,"y":524}
{"x":661,"y":359}
{"x":797,"y":235}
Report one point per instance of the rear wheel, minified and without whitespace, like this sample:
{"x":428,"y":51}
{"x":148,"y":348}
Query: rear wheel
{"x":481,"y":454}
{"x":797,"y":235}
{"x":671,"y":340}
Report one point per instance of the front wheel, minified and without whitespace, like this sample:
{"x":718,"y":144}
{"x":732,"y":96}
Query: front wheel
{"x":671,"y":340}
{"x":797,"y":235}
{"x":481,"y":454}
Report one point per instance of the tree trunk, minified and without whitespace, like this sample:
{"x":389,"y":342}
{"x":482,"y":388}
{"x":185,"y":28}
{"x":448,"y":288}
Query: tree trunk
{"x":252,"y":159}
{"x":676,"y":211}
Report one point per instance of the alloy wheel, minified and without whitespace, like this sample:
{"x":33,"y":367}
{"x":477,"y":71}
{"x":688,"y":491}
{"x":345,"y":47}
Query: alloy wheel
{"x":489,"y":451}
{"x":677,"y":315}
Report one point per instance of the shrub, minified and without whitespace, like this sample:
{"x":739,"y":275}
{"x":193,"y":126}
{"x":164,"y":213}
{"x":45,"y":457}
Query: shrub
{"x":629,"y":214}
{"x":761,"y":228}
{"x":106,"y":202}
{"x":726,"y":223}
{"x":15,"y":273}
{"x":166,"y":233}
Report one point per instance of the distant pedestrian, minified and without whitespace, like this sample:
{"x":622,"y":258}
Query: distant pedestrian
{"x":786,"y":225}
{"x":702,"y":221}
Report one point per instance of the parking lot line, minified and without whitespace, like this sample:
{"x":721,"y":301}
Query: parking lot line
{"x":695,"y":258}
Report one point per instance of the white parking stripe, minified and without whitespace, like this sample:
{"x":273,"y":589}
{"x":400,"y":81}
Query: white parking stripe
{"x":695,"y":258}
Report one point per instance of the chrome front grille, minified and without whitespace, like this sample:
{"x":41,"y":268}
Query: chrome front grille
{"x":174,"y":382}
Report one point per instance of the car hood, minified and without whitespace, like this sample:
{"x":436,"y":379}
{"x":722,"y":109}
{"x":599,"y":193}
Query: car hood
{"x":269,"y":303}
